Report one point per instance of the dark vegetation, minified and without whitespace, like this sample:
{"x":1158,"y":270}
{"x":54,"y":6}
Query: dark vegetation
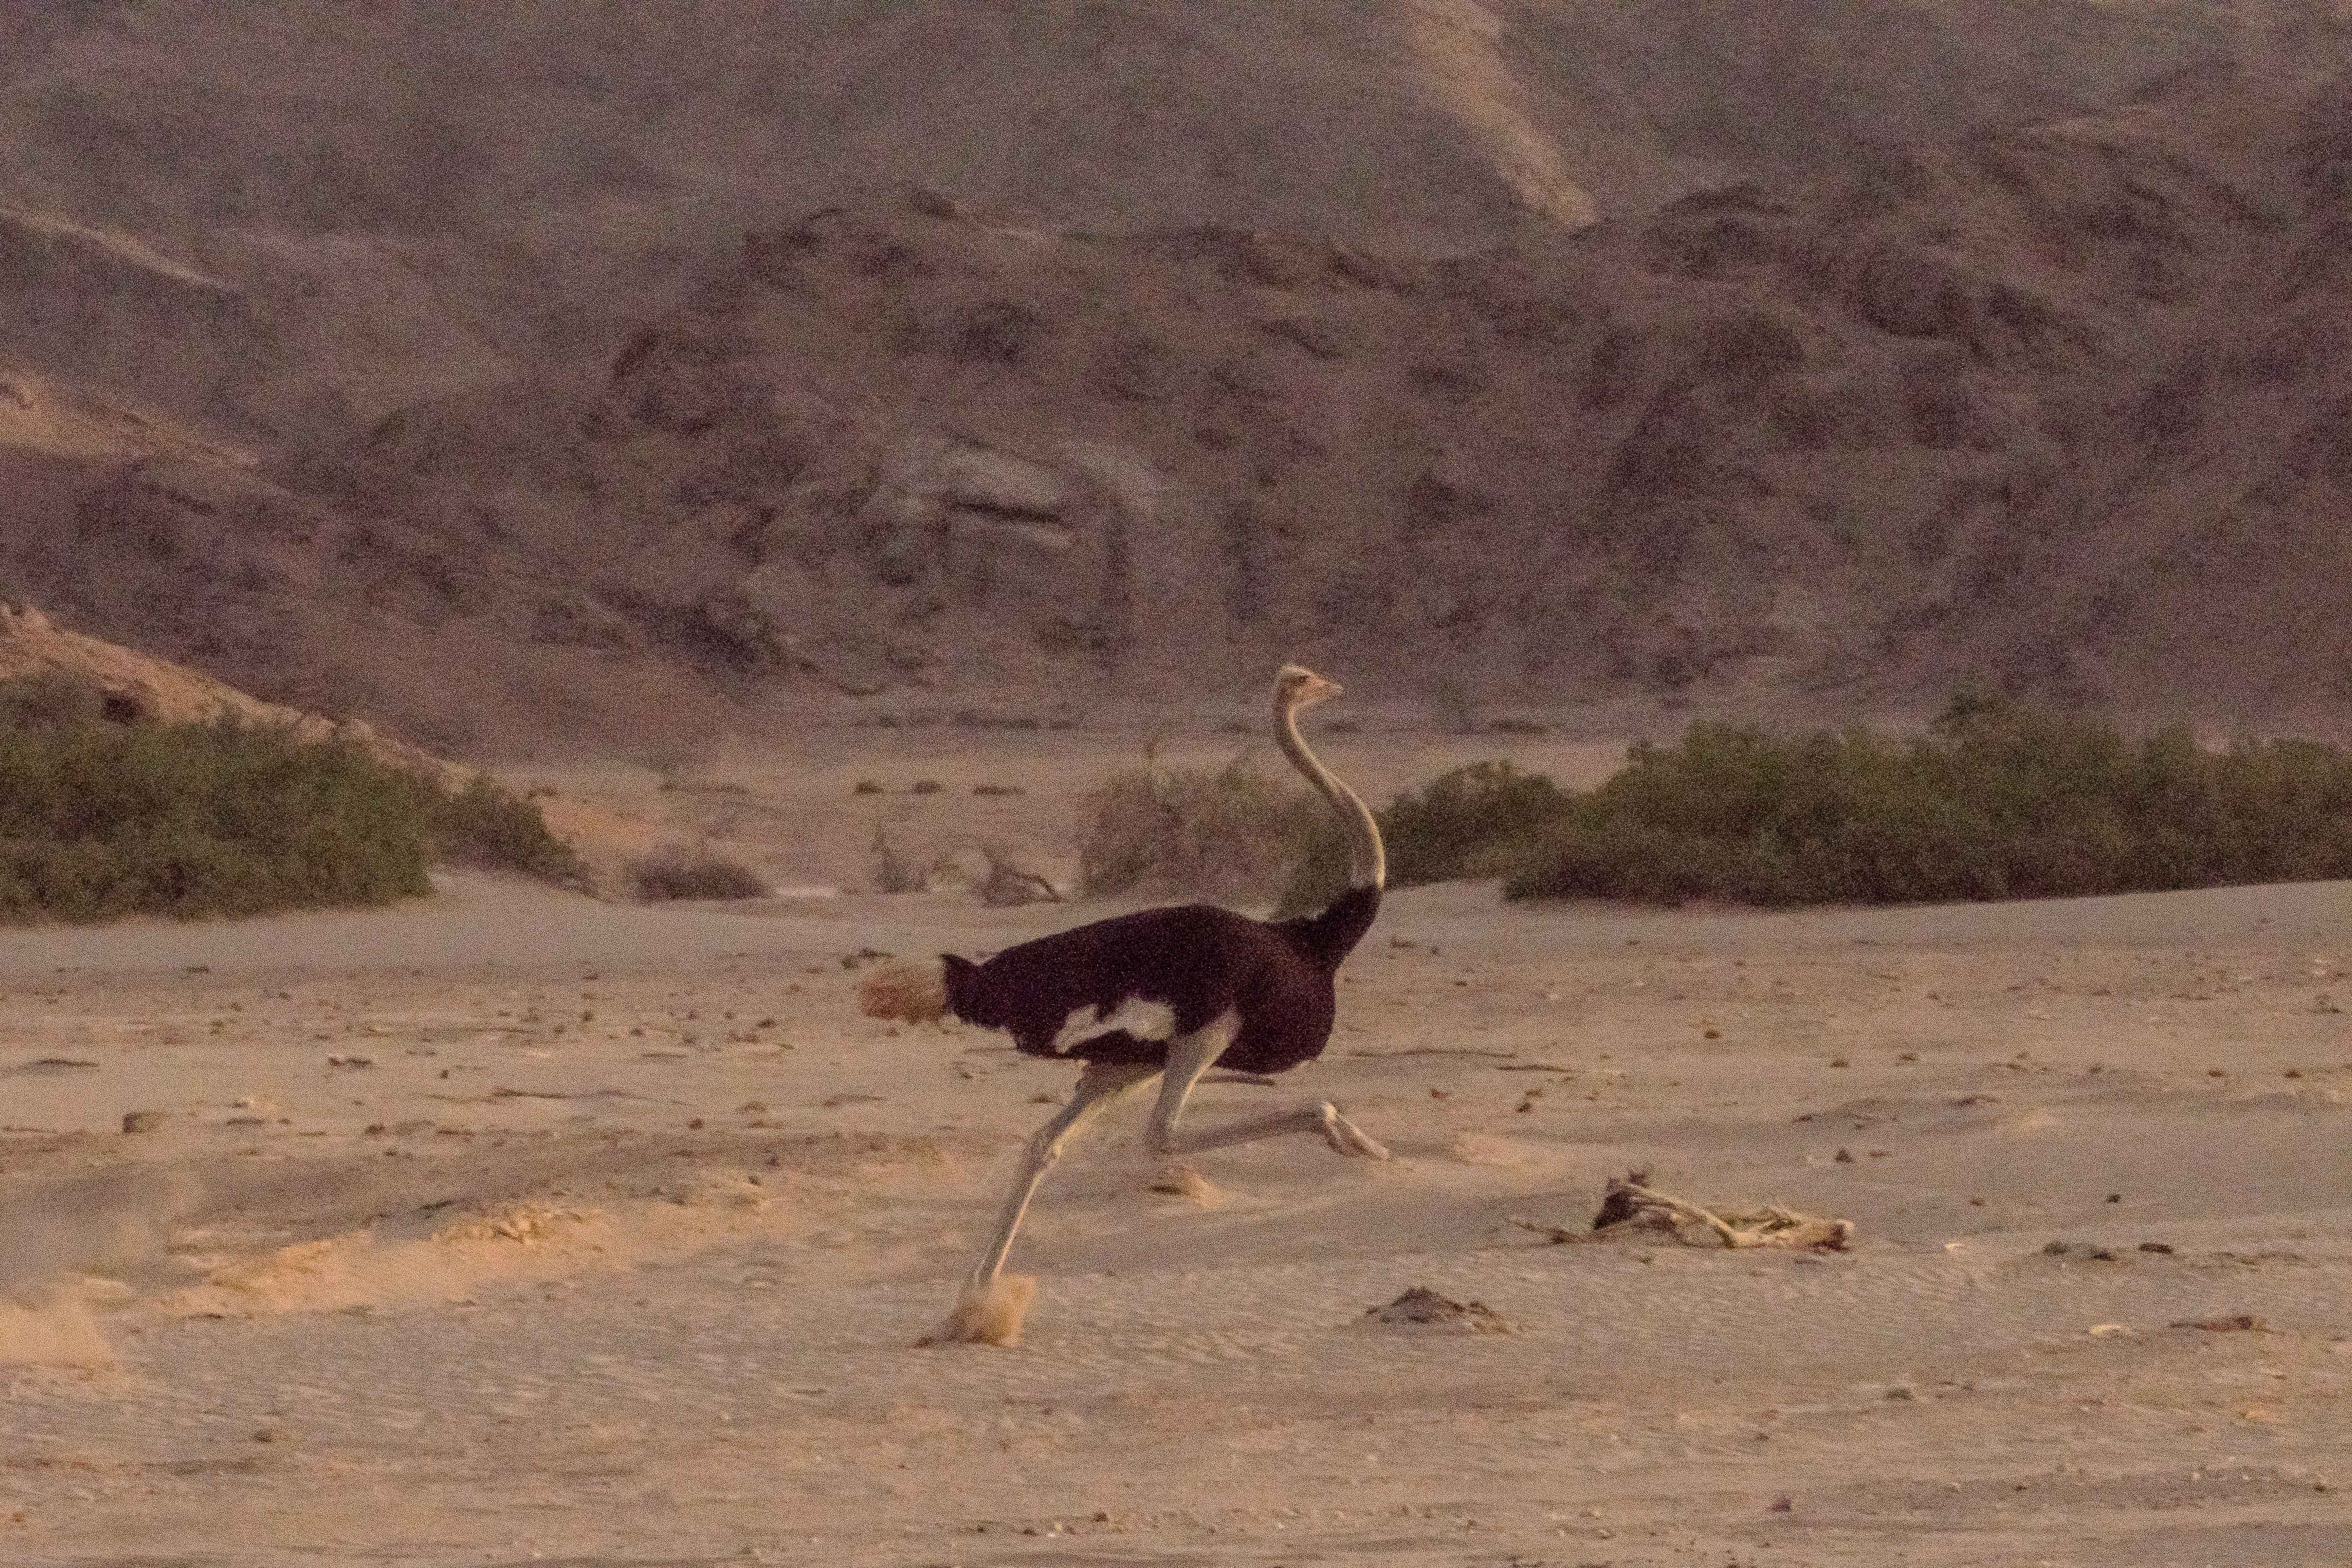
{"x":1996,"y":801}
{"x":680,"y":873}
{"x":1479,"y":821}
{"x":102,"y":816}
{"x":484,"y":825}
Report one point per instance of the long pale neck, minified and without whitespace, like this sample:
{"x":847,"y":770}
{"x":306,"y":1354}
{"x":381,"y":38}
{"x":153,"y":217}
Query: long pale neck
{"x":1367,"y":862}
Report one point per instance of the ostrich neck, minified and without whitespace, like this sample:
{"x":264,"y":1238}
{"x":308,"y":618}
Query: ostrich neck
{"x":1367,"y":864}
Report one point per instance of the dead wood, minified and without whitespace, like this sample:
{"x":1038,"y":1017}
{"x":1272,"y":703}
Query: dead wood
{"x":1628,"y":1206}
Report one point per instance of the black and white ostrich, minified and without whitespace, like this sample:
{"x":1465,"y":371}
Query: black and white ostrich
{"x":1161,"y":993}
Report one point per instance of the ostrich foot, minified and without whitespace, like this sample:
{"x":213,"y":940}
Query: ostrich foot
{"x":987,"y":1313}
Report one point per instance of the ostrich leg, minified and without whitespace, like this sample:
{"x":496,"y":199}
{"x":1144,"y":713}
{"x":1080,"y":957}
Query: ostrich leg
{"x":1188,"y":1057}
{"x":1099,"y":1088}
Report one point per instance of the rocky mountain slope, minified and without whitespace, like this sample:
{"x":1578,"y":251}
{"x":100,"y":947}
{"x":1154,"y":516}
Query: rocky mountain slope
{"x":600,"y":378}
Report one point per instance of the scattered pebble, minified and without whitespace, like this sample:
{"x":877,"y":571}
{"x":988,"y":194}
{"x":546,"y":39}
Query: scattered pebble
{"x":2082,"y":1250}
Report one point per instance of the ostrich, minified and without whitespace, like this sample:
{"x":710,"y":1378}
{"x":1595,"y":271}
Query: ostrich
{"x":1161,"y":993}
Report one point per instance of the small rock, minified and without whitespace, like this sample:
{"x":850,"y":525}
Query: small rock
{"x":1844,"y":1156}
{"x":142,"y":1120}
{"x":1422,"y":1305}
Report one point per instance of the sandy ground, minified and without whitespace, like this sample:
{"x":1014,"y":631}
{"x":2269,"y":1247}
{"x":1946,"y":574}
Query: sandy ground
{"x":511,"y":1226}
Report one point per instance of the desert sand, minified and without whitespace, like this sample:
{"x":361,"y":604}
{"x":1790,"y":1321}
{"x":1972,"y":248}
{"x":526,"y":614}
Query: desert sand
{"x":509,"y":1226}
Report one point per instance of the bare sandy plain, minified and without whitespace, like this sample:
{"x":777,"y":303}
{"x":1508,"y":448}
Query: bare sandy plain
{"x":511,"y":1227}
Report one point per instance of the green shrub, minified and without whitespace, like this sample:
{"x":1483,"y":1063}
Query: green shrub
{"x":101,"y":818}
{"x":98,"y":820}
{"x":1475,"y":821}
{"x":484,"y":825}
{"x":49,"y":700}
{"x":1995,"y":802}
{"x":1468,"y":823}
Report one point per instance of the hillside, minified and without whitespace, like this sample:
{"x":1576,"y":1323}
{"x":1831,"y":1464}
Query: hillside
{"x":637,"y":378}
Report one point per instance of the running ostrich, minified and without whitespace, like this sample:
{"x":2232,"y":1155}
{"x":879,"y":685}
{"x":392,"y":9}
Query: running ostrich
{"x":1161,"y":993}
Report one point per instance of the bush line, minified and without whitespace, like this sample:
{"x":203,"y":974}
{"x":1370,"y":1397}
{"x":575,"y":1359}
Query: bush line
{"x":100,"y":819}
{"x":1995,"y":801}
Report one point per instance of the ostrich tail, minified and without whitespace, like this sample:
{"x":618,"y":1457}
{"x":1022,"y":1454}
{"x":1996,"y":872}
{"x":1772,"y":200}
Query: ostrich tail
{"x":910,"y":993}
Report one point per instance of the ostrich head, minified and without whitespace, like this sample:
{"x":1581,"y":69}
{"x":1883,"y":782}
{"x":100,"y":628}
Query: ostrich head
{"x":1296,"y":687}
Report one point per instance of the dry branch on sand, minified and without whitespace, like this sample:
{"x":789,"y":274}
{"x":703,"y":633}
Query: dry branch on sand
{"x":1628,"y":1206}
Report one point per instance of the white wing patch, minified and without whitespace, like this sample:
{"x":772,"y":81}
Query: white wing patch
{"x":1144,"y":1020}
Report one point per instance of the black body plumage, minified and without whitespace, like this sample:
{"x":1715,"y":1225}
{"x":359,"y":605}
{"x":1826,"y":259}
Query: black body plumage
{"x":1200,"y":961}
